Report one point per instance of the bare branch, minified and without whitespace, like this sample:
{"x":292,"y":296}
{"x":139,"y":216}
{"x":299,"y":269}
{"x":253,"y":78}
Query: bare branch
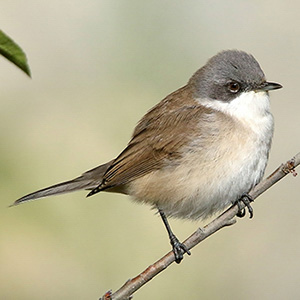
{"x":225,"y":219}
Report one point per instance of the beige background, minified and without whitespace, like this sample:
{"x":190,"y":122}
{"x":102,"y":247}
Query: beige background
{"x":97,"y":67}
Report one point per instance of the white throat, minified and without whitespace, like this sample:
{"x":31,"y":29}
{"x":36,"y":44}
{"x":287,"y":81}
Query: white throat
{"x":251,"y":108}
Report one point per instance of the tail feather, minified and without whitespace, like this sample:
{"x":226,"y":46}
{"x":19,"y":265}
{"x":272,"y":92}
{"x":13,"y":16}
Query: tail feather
{"x":87,"y":181}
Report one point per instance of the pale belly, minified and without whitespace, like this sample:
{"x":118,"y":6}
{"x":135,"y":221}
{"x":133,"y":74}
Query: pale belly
{"x":200,"y":186}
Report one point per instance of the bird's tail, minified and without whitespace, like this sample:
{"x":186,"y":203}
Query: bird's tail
{"x":87,"y":181}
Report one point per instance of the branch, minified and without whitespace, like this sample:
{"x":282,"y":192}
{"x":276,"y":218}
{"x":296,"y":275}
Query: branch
{"x":225,"y":219}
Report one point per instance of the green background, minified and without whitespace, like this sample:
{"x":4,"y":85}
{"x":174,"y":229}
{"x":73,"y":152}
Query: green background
{"x":97,"y":67}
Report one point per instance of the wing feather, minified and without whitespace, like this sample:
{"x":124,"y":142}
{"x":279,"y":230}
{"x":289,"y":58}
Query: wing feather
{"x":157,"y":139}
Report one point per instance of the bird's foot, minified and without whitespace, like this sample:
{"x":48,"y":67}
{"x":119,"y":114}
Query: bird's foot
{"x":179,"y":249}
{"x":246,"y":199}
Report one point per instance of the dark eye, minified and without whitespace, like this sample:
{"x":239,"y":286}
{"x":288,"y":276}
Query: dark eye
{"x":233,"y":87}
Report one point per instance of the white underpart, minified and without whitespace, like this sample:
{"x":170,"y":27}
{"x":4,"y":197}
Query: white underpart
{"x":209,"y":177}
{"x":240,"y":170}
{"x":245,"y":167}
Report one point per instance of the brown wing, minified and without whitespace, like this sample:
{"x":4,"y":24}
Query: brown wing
{"x":158,"y":138}
{"x":151,"y":148}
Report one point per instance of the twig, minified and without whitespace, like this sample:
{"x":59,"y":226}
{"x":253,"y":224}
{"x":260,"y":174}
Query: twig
{"x":225,"y":219}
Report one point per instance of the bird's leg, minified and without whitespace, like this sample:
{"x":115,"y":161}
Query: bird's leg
{"x":178,"y":248}
{"x":246,"y":199}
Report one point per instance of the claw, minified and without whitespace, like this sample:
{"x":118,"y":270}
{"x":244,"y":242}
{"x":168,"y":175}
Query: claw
{"x":246,"y":199}
{"x":179,"y":249}
{"x":241,"y":211}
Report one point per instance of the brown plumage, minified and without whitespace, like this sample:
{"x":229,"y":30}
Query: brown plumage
{"x":156,"y":141}
{"x":198,"y":150}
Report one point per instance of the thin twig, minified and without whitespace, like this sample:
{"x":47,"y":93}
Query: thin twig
{"x":225,"y":219}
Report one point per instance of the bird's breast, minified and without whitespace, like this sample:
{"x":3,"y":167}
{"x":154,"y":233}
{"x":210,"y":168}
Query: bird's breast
{"x":215,"y":168}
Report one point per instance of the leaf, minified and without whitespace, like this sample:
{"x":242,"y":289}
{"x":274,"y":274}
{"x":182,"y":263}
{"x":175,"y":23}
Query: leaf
{"x":10,"y":50}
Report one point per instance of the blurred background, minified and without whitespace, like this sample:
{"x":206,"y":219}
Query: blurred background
{"x":97,"y":67}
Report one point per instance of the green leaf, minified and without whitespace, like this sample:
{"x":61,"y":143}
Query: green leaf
{"x":10,"y":50}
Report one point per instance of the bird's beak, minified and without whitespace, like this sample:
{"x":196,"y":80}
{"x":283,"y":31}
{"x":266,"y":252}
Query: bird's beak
{"x":269,"y":86}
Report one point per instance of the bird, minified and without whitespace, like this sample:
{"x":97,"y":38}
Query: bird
{"x":198,"y":151}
